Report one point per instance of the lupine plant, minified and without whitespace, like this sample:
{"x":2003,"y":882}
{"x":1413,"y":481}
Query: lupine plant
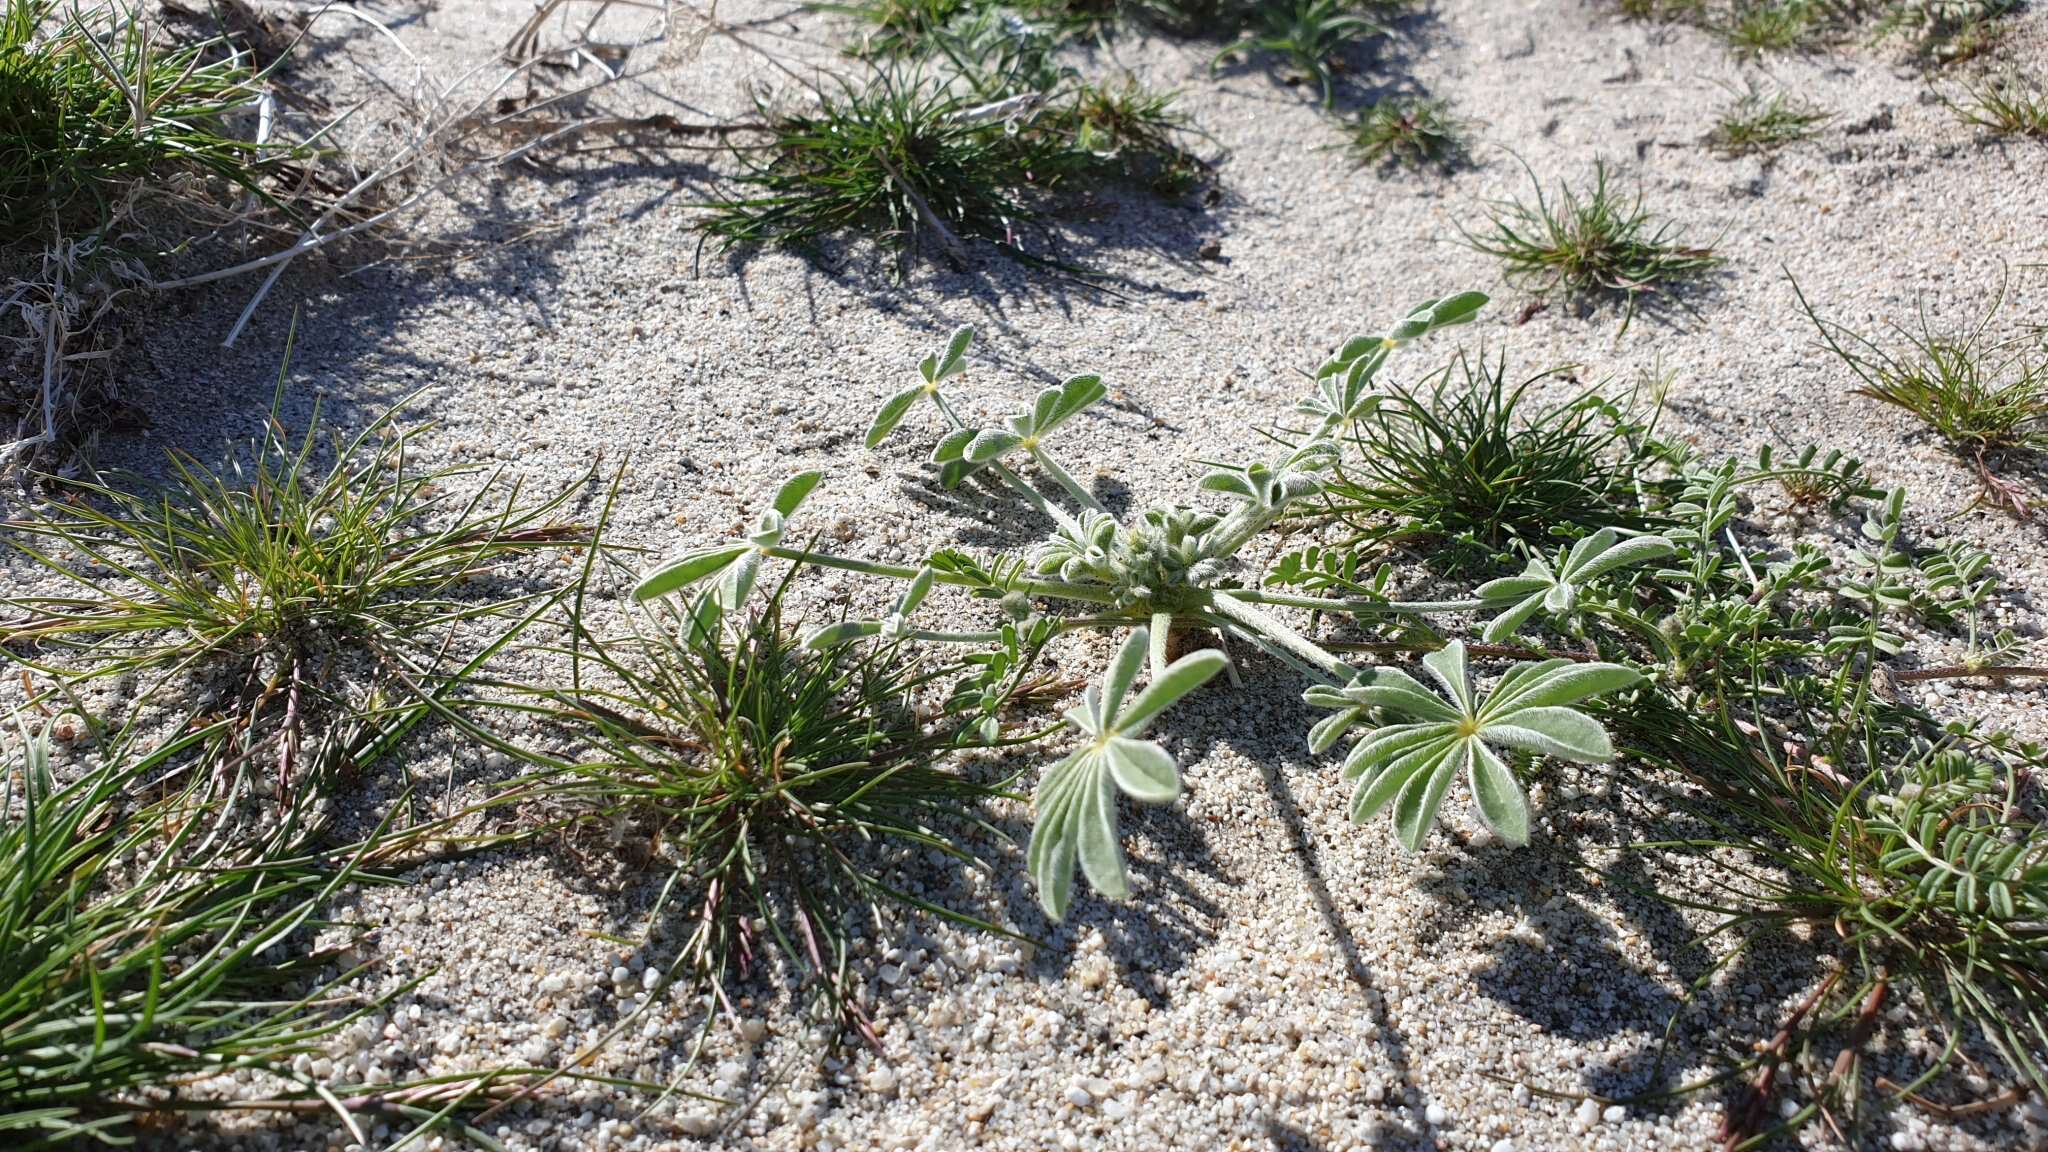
{"x":1166,"y":571}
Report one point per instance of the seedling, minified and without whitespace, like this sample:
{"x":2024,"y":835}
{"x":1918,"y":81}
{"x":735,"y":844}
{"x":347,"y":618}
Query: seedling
{"x":1407,"y":131}
{"x":1589,"y":245}
{"x":1758,"y":124}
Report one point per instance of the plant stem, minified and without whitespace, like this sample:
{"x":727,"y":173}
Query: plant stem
{"x":1073,"y":486}
{"x":1489,"y":651}
{"x":1093,"y":594}
{"x":1963,"y":671}
{"x":1272,"y":629}
{"x":1361,"y":607}
{"x":1045,"y":507}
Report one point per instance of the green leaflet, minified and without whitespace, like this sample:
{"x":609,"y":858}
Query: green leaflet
{"x":1076,"y":799}
{"x":1411,"y":766}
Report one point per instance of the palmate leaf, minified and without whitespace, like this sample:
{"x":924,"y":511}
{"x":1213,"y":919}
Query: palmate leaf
{"x":1544,"y":586}
{"x":1343,"y":383}
{"x":736,"y":565}
{"x":934,"y":368}
{"x":1077,"y":798}
{"x":1411,"y":765}
{"x":1052,"y":408}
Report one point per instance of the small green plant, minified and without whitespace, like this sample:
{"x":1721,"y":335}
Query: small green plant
{"x":1135,"y":134}
{"x":963,"y":153}
{"x":898,"y":27}
{"x":2010,"y":105}
{"x":1986,"y":397}
{"x":1153,"y":572}
{"x":1411,"y":765}
{"x":1912,"y":860}
{"x":260,"y":571}
{"x":1812,"y":479}
{"x":1758,"y":124}
{"x":1407,"y":131}
{"x":1312,"y":36}
{"x":1758,"y":26}
{"x":1470,"y":455}
{"x":1590,"y":244}
{"x":781,"y":778}
{"x":93,"y":105}
{"x":137,"y":952}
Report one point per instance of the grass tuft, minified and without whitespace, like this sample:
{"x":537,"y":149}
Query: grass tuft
{"x":1758,"y":26}
{"x":906,"y":158}
{"x":969,"y":152}
{"x":2010,"y":105}
{"x":1986,"y":397}
{"x":137,"y":952}
{"x":92,"y":105}
{"x":266,"y":572}
{"x":1474,"y":456}
{"x":1582,"y":245}
{"x":1412,"y":132}
{"x":1758,"y":124}
{"x":780,"y":781}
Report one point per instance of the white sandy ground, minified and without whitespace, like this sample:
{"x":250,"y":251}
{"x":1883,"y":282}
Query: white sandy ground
{"x":1279,"y":978}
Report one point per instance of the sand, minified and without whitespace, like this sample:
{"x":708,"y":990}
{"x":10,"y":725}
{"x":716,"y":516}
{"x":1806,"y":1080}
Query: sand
{"x":1279,"y":978}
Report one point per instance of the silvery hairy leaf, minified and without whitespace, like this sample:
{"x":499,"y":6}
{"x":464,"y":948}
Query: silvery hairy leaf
{"x":1410,"y":765}
{"x":1554,"y":586}
{"x":1076,"y":800}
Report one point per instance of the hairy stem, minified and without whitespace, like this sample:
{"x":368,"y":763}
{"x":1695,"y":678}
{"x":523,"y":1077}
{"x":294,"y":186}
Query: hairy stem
{"x":1273,"y":630}
{"x":1091,"y":593}
{"x":1052,"y":468}
{"x":1362,"y":607}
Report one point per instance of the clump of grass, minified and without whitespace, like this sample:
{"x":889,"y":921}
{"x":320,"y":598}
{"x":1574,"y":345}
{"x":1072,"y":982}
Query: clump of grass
{"x":261,"y":572}
{"x":1408,"y":131}
{"x":1756,"y":123}
{"x":138,"y":953}
{"x":965,"y":154}
{"x":898,"y":27}
{"x":2010,"y":105}
{"x":1589,"y":244}
{"x":1941,"y":31}
{"x":92,"y":106}
{"x":780,"y":780}
{"x":1986,"y":397}
{"x":905,"y":158}
{"x":1474,"y":456}
{"x":1758,"y":26}
{"x":1134,"y":134}
{"x":1662,"y":10}
{"x":1311,"y":36}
